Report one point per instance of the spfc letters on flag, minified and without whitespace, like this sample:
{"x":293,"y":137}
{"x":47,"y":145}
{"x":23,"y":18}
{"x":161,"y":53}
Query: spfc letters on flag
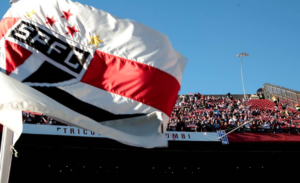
{"x":59,"y":55}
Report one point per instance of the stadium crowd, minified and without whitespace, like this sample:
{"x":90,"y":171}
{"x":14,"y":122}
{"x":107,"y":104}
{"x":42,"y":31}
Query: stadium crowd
{"x":39,"y":119}
{"x":199,"y":113}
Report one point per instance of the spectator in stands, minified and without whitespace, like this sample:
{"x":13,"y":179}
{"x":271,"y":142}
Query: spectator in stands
{"x":254,"y":126}
{"x":241,"y":128}
{"x":266,"y":126}
{"x":235,"y":119}
{"x":195,"y":107}
{"x":241,"y":119}
{"x":222,"y":105}
{"x":297,"y":106}
{"x":216,"y":112}
{"x":52,"y":121}
{"x":228,"y":95}
{"x":216,"y":125}
{"x":209,"y":126}
{"x":24,"y":116}
{"x":255,"y":112}
{"x":230,"y":108}
{"x":203,"y":124}
{"x":208,"y":106}
{"x":191,"y":98}
{"x":219,"y":109}
{"x":172,"y":125}
{"x":30,"y":119}
{"x":260,"y":126}
{"x":186,"y":123}
{"x":179,"y":125}
{"x":198,"y":125}
{"x":291,"y":127}
{"x":274,"y":98}
{"x":198,"y":96}
{"x":277,"y":127}
{"x":193,"y":126}
{"x":203,"y":105}
{"x":260,"y":120}
{"x":283,"y":106}
{"x":287,"y":113}
{"x":281,"y":114}
{"x":247,"y":127}
{"x":261,"y":96}
{"x":224,"y":117}
{"x":231,"y":122}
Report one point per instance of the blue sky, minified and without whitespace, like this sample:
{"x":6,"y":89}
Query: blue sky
{"x":210,"y":33}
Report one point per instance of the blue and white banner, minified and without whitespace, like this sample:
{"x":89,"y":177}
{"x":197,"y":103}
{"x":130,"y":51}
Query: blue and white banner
{"x":224,"y":139}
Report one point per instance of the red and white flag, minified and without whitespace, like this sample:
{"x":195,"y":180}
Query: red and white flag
{"x":89,"y":69}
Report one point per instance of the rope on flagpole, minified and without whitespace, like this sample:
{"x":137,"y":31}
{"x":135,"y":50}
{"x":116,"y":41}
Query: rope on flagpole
{"x":235,"y":129}
{"x":14,"y":151}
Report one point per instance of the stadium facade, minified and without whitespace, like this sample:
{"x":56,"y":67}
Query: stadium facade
{"x":289,"y":96}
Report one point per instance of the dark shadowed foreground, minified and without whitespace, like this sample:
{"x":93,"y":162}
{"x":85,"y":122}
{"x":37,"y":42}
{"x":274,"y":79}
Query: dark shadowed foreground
{"x":73,"y":159}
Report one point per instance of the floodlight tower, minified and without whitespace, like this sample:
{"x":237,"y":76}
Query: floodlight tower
{"x":242,"y":55}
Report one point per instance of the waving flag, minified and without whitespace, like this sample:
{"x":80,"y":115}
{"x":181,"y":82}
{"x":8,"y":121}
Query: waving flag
{"x":89,"y":69}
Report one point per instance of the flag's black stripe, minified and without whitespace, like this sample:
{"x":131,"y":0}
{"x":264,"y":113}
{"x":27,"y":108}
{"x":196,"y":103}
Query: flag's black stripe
{"x":81,"y":107}
{"x":48,"y":73}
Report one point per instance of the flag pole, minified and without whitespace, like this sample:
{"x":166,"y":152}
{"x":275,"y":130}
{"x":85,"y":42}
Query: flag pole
{"x":6,"y":144}
{"x":235,"y":129}
{"x":6,"y":154}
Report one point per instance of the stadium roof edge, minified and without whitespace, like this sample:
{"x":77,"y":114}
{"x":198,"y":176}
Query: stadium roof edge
{"x":269,"y":84}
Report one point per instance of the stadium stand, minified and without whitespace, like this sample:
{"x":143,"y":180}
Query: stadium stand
{"x":261,"y":104}
{"x":255,"y":152}
{"x":199,"y":113}
{"x":204,"y":113}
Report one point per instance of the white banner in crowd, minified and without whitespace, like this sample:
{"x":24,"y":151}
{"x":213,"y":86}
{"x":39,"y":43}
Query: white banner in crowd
{"x":78,"y":132}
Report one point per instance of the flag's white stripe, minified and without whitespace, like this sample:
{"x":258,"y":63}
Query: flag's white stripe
{"x":111,"y":102}
{"x":26,"y":69}
{"x":134,"y":131}
{"x":121,"y":37}
{"x":2,"y":56}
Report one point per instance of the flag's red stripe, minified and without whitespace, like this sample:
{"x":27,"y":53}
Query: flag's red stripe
{"x":6,"y":24}
{"x":15,"y":56}
{"x":133,"y":80}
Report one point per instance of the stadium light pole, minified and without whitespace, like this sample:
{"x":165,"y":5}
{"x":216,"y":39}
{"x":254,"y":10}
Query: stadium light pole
{"x":242,"y":55}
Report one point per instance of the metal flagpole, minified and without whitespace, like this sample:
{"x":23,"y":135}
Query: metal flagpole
{"x":243,"y":76}
{"x":235,"y":129}
{"x":6,"y":154}
{"x":6,"y":147}
{"x":242,"y":55}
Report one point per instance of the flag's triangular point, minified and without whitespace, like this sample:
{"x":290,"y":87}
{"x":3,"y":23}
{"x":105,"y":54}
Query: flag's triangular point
{"x":15,"y":56}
